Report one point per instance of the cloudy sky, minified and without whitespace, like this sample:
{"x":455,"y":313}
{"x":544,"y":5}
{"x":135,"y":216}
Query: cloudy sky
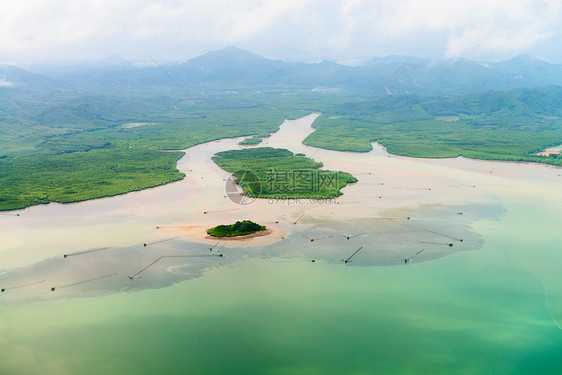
{"x":296,"y":30}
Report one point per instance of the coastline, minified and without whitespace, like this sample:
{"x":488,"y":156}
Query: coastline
{"x":260,"y":233}
{"x":388,"y":187}
{"x":377,"y":149}
{"x":198,"y":233}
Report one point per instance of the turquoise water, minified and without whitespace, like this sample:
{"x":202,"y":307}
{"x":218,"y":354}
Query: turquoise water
{"x":493,"y":310}
{"x":491,"y":305}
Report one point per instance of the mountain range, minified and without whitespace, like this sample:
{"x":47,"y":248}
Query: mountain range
{"x":233,"y":68}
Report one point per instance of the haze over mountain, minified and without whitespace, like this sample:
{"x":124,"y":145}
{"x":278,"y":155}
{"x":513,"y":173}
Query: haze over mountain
{"x":303,"y":30}
{"x":232,"y":68}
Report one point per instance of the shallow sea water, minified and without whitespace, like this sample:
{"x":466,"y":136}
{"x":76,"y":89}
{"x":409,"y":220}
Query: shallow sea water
{"x":490,"y":304}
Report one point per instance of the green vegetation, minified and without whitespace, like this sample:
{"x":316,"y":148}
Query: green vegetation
{"x":267,"y":172}
{"x":240,"y":228}
{"x":91,"y":154}
{"x":512,"y":125}
{"x":69,"y":145}
{"x":250,"y":141}
{"x":27,"y":181}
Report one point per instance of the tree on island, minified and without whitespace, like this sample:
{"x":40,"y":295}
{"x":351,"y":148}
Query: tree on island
{"x":240,"y":228}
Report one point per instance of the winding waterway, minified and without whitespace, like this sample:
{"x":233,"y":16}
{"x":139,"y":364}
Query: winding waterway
{"x":414,"y":299}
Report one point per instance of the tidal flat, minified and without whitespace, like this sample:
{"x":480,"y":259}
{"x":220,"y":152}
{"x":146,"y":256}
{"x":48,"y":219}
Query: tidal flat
{"x":142,"y":290}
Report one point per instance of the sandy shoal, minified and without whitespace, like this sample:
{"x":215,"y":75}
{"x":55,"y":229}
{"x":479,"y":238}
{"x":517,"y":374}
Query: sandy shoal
{"x":387,"y":184}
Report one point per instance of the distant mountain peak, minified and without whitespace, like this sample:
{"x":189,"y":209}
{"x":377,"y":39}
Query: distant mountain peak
{"x":224,"y":58}
{"x":396,"y":59}
{"x":525,"y":58}
{"x":114,"y":60}
{"x":234,"y":49}
{"x":233,"y":53}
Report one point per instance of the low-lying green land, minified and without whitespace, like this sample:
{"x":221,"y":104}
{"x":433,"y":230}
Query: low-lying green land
{"x":75,"y":148}
{"x":240,"y":228}
{"x":512,"y":125}
{"x":79,"y":176}
{"x":255,"y":140}
{"x":267,"y":172}
{"x":67,"y":146}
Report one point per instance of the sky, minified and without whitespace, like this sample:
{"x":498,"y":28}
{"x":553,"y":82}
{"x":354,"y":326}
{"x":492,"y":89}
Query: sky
{"x":346,"y":31}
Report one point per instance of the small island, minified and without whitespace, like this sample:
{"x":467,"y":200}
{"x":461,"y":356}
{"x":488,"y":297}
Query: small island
{"x":251,"y":141}
{"x":240,"y":228}
{"x":277,"y":173}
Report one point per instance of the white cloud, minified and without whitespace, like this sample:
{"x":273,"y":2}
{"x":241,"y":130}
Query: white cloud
{"x":5,"y":83}
{"x":348,"y":17}
{"x":26,"y":25}
{"x":474,"y":27}
{"x":513,"y":28}
{"x":344,"y":29}
{"x":255,"y":19}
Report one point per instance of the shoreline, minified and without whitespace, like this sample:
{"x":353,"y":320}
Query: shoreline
{"x":260,"y":233}
{"x":388,"y":189}
{"x":376,"y":148}
{"x":198,"y":233}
